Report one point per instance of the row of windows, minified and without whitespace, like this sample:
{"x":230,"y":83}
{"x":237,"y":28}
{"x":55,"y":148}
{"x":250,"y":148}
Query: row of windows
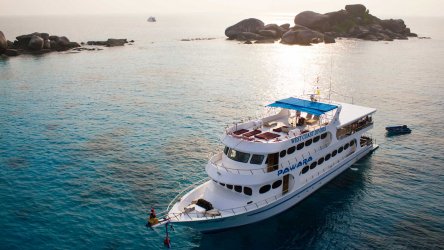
{"x":301,"y":145}
{"x":243,"y":157}
{"x":248,"y":190}
{"x":258,"y":159}
{"x":327,"y":157}
{"x":237,"y":188}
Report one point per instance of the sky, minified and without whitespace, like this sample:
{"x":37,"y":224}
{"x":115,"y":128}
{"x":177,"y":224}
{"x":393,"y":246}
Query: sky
{"x":380,"y":8}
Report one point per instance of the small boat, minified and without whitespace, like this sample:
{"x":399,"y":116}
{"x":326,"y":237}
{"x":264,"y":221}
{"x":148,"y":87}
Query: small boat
{"x":151,"y":19}
{"x":399,"y":129}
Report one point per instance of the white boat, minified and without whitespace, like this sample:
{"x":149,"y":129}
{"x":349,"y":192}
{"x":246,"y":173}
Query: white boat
{"x":151,"y":19}
{"x":270,"y":164}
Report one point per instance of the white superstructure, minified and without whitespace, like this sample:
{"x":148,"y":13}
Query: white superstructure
{"x":270,"y":164}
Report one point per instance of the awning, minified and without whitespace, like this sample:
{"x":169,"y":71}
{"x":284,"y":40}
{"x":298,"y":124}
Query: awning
{"x":315,"y":108}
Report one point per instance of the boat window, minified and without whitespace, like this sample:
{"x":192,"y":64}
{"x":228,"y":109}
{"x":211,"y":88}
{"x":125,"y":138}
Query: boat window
{"x":264,"y":189}
{"x":340,"y":149}
{"x":333,"y":154}
{"x":313,"y":165}
{"x":276,"y":184}
{"x":323,"y":135}
{"x":226,"y":150}
{"x":215,"y":181}
{"x":283,"y":153}
{"x":291,"y":150}
{"x":229,"y":186}
{"x":304,"y":170}
{"x":300,"y":146}
{"x":345,"y":146}
{"x":257,"y":159}
{"x":248,"y":191}
{"x":327,"y":157}
{"x":238,"y":189}
{"x":316,"y":139}
{"x":321,"y":160}
{"x":352,"y":142}
{"x":308,"y":142}
{"x":238,"y":156}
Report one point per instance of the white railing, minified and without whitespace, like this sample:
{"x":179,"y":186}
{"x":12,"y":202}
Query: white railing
{"x":225,"y":212}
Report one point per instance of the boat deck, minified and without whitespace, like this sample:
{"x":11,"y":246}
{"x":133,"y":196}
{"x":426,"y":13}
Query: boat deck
{"x":278,"y":129}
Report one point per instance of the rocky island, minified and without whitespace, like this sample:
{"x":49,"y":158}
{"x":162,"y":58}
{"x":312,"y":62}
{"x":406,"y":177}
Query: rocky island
{"x":355,"y":21}
{"x":40,"y":43}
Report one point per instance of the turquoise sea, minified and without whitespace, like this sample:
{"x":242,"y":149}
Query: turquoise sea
{"x":90,"y":141}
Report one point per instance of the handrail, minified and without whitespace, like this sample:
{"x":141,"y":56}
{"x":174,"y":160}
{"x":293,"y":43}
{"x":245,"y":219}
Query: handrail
{"x":230,"y":211}
{"x":239,"y":170}
{"x":179,"y":195}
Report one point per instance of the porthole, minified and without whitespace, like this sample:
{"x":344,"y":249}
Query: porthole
{"x":313,"y":165}
{"x":323,"y":135}
{"x":291,"y":150}
{"x":222,"y":184}
{"x":340,"y":149}
{"x":316,"y":139}
{"x":308,"y":142}
{"x":304,"y":170}
{"x":238,"y":189}
{"x":283,"y":153}
{"x":352,"y":142}
{"x":226,"y":150}
{"x":327,"y":157}
{"x":346,"y":146}
{"x":248,"y":191}
{"x":333,"y":154}
{"x":264,"y":189}
{"x":300,"y":146}
{"x":321,"y":160}
{"x":276,"y":184}
{"x":229,"y":186}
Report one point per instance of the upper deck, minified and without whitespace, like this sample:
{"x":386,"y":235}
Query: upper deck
{"x":297,"y":117}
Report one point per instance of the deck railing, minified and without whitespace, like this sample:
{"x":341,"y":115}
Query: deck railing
{"x":215,"y":161}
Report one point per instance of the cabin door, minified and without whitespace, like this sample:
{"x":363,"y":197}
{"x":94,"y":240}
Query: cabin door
{"x":272,"y":162}
{"x":285,"y":185}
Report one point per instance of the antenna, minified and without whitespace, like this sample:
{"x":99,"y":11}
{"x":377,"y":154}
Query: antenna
{"x":331,"y":69}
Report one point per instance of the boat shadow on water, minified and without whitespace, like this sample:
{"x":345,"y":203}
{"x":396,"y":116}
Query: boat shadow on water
{"x":303,"y":225}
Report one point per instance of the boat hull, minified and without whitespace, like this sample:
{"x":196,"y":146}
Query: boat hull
{"x":286,"y":202}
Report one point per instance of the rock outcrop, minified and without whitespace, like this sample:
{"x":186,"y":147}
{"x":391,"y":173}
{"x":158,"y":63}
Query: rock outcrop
{"x":3,"y":43}
{"x":312,"y":20}
{"x":111,"y":42}
{"x":38,"y":43}
{"x":250,"y":25}
{"x":354,"y":21}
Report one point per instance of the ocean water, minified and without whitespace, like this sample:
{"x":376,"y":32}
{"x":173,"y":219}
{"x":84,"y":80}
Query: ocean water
{"x":90,"y":141}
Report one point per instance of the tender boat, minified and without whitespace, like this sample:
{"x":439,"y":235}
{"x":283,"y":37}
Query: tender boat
{"x":270,"y":164}
{"x":399,"y":129}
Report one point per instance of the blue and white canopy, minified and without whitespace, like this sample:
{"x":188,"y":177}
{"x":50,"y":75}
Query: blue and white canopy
{"x":315,"y":108}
